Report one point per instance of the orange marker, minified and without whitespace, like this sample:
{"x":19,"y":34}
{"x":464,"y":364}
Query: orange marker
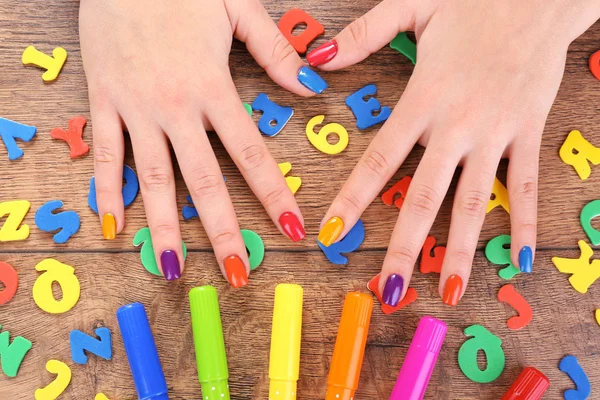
{"x":349,"y":347}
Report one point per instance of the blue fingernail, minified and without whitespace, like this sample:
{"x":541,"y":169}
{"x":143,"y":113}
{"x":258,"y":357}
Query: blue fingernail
{"x":311,"y":80}
{"x":526,"y":259}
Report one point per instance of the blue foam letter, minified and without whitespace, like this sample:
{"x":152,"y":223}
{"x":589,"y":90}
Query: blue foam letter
{"x":363,"y":110}
{"x":570,"y":366}
{"x":80,"y":342}
{"x":272,"y":112}
{"x":130,"y":189}
{"x":68,"y":221}
{"x":348,"y":244}
{"x":9,"y":131}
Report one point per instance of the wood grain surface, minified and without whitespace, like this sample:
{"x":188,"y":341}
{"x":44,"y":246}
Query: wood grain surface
{"x":111,"y":274}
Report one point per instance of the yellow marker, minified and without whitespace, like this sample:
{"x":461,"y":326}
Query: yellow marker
{"x":58,"y":386}
{"x":319,"y":140}
{"x":576,"y":151}
{"x":64,"y":275}
{"x":100,"y":396}
{"x":16,"y":211}
{"x":284,"y":363}
{"x":293,"y":182}
{"x":53,"y":64}
{"x":584,"y":272}
{"x":500,"y":197}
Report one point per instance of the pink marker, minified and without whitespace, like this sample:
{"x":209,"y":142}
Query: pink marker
{"x":420,"y":360}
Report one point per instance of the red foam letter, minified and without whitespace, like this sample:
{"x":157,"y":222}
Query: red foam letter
{"x":409,"y":297}
{"x":295,"y":17}
{"x":431,"y":263}
{"x":74,"y":136}
{"x":509,"y":295}
{"x":595,"y":64}
{"x":10,"y":279}
{"x":400,"y":187}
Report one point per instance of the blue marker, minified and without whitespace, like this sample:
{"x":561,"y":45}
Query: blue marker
{"x":144,"y":363}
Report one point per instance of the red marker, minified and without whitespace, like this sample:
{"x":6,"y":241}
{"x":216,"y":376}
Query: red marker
{"x":530,"y":385}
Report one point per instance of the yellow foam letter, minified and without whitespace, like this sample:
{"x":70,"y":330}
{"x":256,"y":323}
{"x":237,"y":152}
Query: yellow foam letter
{"x":58,"y":386}
{"x":64,"y":275}
{"x":52,"y":65}
{"x":583,"y":272}
{"x":293,"y":182}
{"x":16,"y":211}
{"x":319,"y":140}
{"x":577,"y":151}
{"x":500,"y":197}
{"x":101,"y":396}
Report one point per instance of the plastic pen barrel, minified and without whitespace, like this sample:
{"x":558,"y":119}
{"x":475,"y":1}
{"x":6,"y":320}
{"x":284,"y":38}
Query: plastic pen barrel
{"x":420,"y":360}
{"x":530,"y":385}
{"x":146,"y":370}
{"x":349,"y":349}
{"x":209,"y":343}
{"x":284,"y":363}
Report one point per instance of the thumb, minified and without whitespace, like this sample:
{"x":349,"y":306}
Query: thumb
{"x":369,"y":33}
{"x":254,"y":26}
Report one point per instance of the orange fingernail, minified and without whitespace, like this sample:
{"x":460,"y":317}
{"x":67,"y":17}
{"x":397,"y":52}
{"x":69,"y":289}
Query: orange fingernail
{"x":452,"y":290}
{"x":109,"y":226}
{"x":331,"y":231}
{"x":236,"y":271}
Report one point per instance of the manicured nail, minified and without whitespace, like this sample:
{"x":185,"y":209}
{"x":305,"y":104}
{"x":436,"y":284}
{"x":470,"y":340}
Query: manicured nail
{"x":109,"y":226}
{"x":452,"y":290}
{"x":331,"y":231}
{"x":526,"y":259}
{"x":236,"y":271}
{"x":393,"y":290}
{"x":311,"y":80}
{"x":322,"y":54}
{"x":170,"y":265}
{"x":291,"y":226}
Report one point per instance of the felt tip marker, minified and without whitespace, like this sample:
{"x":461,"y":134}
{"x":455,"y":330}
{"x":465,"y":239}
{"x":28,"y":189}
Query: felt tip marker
{"x":284,"y":362}
{"x":530,"y":385}
{"x":420,"y":360}
{"x":148,"y":376}
{"x":349,"y":349}
{"x":211,"y":359}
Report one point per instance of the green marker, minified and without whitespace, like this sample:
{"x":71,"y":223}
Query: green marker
{"x":208,"y":341}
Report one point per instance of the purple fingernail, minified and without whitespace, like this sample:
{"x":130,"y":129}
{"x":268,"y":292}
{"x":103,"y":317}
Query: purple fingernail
{"x":170,"y":265}
{"x":393,"y":290}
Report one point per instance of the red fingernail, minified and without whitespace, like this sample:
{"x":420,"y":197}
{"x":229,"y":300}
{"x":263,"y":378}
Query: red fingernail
{"x":322,"y":54}
{"x":236,"y":271}
{"x":291,"y":226}
{"x":452,"y":290}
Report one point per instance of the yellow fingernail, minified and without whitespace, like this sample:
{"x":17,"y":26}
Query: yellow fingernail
{"x":331,"y":231}
{"x":109,"y":226}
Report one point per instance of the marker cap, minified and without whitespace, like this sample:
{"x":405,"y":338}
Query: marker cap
{"x":211,"y":358}
{"x":284,"y":362}
{"x":420,"y":360}
{"x":530,"y":385}
{"x":144,"y":363}
{"x":349,"y":349}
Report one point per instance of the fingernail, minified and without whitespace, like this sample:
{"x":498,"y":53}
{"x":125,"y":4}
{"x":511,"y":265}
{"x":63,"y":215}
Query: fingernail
{"x":291,"y":226}
{"x":331,"y":231}
{"x":109,"y":226}
{"x":311,"y":80}
{"x":322,"y":54}
{"x":236,"y":271}
{"x":452,"y":290}
{"x":170,"y":265}
{"x":526,"y":259}
{"x":393,"y":290}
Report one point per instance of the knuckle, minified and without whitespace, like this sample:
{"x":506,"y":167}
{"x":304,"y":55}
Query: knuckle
{"x":358,"y":32}
{"x":274,"y":196}
{"x":205,"y":185}
{"x":376,"y":163}
{"x":423,"y":200}
{"x":461,"y":256}
{"x":222,"y":237}
{"x":252,"y":156}
{"x":473,"y":203}
{"x":165,"y":229}
{"x":527,"y":189}
{"x":349,"y":200}
{"x":104,"y":154}
{"x":282,"y":50}
{"x":402,"y":255}
{"x":156,"y":179}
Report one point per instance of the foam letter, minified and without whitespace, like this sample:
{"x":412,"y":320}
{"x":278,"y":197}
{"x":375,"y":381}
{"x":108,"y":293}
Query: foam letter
{"x":147,"y":257}
{"x":52,"y":65}
{"x":190,"y":211}
{"x":319,"y":140}
{"x":62,"y":274}
{"x":583,"y":272}
{"x":509,"y":295}
{"x":595,"y":64}
{"x":9,"y":131}
{"x":73,"y":136}
{"x":409,"y":297}
{"x":254,"y":246}
{"x":68,"y":221}
{"x":588,"y":213}
{"x":364,"y":110}
{"x":130,"y":189}
{"x":570,"y":366}
{"x":404,"y":45}
{"x":497,"y":254}
{"x":59,"y":385}
{"x":12,"y":354}
{"x":293,"y":182}
{"x":348,"y":244}
{"x":295,"y":17}
{"x":500,"y":197}
{"x":577,"y":151}
{"x":401,"y":188}
{"x":431,"y":263}
{"x":16,"y":211}
{"x":10,"y":280}
{"x":81,"y":342}
{"x":492,"y":347}
{"x":274,"y":116}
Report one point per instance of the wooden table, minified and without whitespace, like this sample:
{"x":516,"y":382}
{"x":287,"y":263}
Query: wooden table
{"x":111,"y":275}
